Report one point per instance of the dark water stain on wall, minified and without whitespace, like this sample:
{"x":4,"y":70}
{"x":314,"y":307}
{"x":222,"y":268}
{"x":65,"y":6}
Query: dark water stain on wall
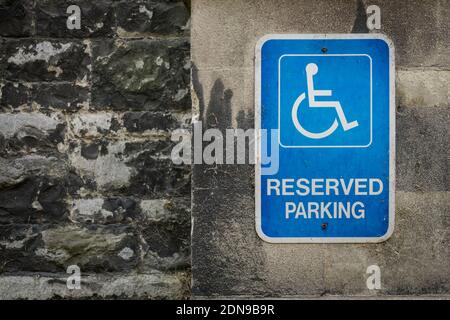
{"x":221,"y":193}
{"x":361,"y":19}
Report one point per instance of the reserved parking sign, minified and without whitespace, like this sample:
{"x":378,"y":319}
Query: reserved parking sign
{"x":328,"y":101}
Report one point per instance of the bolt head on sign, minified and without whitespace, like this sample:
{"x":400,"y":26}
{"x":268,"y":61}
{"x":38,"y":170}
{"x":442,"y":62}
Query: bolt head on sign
{"x":325,"y":169}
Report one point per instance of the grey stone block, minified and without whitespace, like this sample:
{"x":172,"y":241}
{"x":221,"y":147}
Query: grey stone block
{"x":132,"y":125}
{"x":167,"y":244}
{"x":166,"y":209}
{"x":14,"y":95}
{"x":151,"y":17}
{"x":95,"y":125}
{"x":33,"y":200}
{"x":131,"y":168}
{"x":155,"y":177}
{"x":83,"y":184}
{"x":43,"y":96}
{"x":112,"y":210}
{"x":65,"y":96}
{"x":2,"y":60}
{"x":93,"y":248}
{"x":97,"y":18}
{"x":24,"y":132}
{"x":155,"y":285}
{"x":142,"y":121}
{"x":16,"y":18}
{"x":141,"y":75}
{"x":45,"y":60}
{"x":34,"y":188}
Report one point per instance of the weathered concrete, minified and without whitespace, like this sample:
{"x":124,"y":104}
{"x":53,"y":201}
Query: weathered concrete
{"x":419,"y":30}
{"x":229,"y":259}
{"x":423,"y":87}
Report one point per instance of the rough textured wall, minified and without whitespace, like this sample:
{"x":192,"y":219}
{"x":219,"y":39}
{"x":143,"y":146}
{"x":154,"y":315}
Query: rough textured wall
{"x":229,"y":259}
{"x":85,"y":172}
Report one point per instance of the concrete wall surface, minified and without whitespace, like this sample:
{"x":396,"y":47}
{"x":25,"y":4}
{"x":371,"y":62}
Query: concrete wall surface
{"x":228,"y":258}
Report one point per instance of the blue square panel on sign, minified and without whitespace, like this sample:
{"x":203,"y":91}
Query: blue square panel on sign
{"x":325,"y":109}
{"x":325,"y":100}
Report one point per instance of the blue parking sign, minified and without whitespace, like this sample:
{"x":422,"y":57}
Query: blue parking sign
{"x":325,"y":115}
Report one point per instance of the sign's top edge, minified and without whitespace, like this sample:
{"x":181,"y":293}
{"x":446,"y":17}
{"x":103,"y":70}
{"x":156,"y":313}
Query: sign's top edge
{"x":324,"y":36}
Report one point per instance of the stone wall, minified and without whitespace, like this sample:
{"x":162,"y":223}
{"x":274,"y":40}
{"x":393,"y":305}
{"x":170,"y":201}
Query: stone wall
{"x":228,"y":258}
{"x":85,"y":172}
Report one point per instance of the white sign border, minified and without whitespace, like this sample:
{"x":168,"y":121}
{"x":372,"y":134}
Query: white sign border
{"x":258,"y":227}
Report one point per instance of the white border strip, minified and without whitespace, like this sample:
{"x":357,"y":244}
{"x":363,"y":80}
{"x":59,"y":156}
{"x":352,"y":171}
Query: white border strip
{"x":258,"y":48}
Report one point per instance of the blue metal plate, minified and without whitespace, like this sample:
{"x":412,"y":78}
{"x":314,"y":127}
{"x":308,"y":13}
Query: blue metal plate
{"x":325,"y":104}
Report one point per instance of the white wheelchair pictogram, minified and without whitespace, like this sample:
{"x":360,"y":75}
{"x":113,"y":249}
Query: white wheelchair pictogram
{"x":311,"y":70}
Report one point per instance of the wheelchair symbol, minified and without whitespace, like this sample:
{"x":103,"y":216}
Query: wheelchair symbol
{"x":311,"y":70}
